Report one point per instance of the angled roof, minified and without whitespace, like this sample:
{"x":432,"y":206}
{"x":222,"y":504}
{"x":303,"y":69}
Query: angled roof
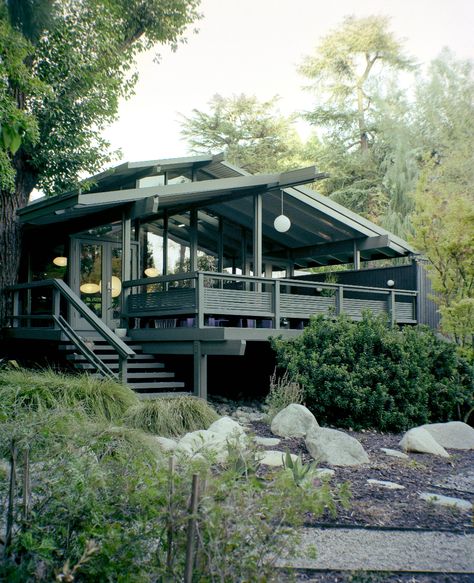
{"x":322,"y":232}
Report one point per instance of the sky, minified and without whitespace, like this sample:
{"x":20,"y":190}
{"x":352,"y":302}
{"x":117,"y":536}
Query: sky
{"x":254,"y":47}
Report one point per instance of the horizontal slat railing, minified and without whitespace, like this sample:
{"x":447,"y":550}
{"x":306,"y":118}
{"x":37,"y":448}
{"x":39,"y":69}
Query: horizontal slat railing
{"x":204,"y":296}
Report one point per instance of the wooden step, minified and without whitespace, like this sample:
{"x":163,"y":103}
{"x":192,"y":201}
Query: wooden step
{"x":157,"y":385}
{"x":146,"y":396}
{"x":150,"y":375}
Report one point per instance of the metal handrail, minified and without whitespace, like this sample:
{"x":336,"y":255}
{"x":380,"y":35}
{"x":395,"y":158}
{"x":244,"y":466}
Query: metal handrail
{"x":61,"y":288}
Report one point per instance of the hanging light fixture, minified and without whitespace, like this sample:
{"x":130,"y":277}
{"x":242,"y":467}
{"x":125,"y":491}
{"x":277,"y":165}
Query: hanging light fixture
{"x":90,"y":288}
{"x":151,"y":272}
{"x":115,"y":286}
{"x":60,"y":261}
{"x":282,"y":223}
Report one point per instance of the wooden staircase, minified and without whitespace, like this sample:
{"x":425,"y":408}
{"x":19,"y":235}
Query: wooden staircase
{"x":145,"y":375}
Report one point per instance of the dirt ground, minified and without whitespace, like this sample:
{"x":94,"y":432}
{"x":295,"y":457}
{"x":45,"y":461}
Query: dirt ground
{"x":378,"y":507}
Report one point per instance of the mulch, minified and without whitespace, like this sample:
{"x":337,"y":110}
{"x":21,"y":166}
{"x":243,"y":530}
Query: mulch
{"x":378,"y":507}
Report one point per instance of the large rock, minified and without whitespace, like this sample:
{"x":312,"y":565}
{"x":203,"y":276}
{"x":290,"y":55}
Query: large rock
{"x":293,"y":421}
{"x":335,"y":447}
{"x":420,"y":440}
{"x":227,"y":427}
{"x":166,"y":444}
{"x":203,"y":443}
{"x":452,"y":435}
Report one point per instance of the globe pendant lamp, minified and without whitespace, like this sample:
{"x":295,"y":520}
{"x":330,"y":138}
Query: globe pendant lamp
{"x":282,"y":223}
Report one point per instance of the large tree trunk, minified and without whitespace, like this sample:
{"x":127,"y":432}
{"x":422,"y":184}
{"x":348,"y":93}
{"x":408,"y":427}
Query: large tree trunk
{"x":10,"y":231}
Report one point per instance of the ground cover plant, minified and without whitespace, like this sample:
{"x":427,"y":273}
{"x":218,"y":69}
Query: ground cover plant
{"x":171,"y":417}
{"x":368,"y":374}
{"x":96,"y":500}
{"x":47,"y":389}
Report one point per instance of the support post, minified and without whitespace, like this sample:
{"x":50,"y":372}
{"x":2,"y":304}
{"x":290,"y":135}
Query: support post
{"x":391,"y":307}
{"x":126,"y":260}
{"x":165,"y":243}
{"x":356,"y":257}
{"x":257,"y":235}
{"x":276,"y":304}
{"x":193,"y":243}
{"x":339,"y":300}
{"x":16,"y":309}
{"x":56,"y":304}
{"x":220,"y":246}
{"x":122,"y":372}
{"x":199,"y":370}
{"x":200,"y":300}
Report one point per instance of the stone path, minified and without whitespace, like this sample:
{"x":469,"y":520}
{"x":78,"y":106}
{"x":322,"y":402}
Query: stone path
{"x":352,"y":549}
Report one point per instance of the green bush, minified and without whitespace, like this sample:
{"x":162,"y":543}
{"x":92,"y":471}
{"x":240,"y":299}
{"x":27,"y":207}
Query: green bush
{"x":369,"y":375}
{"x":22,"y":389}
{"x":171,"y":416}
{"x":102,"y":505}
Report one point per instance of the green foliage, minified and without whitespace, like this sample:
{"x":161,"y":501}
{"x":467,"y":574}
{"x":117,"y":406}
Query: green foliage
{"x":252,"y":134}
{"x":171,"y":416}
{"x":299,"y":470}
{"x":368,"y":375}
{"x":283,"y":392}
{"x":25,"y":390}
{"x":105,"y":506}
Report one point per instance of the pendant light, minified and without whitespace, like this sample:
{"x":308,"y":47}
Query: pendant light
{"x":282,"y":223}
{"x":60,"y":261}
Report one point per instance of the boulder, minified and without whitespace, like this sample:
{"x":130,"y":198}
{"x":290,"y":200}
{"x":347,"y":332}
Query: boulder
{"x":335,"y":447}
{"x":446,"y":501}
{"x":394,"y":453}
{"x":385,"y":484}
{"x":227,"y":427}
{"x":293,"y":421}
{"x":275,"y":458}
{"x":267,"y":441}
{"x":202,"y":443}
{"x":452,"y":435}
{"x":166,"y":444}
{"x":420,"y":440}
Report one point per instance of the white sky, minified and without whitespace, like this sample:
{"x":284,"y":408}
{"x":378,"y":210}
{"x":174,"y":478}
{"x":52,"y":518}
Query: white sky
{"x":253,"y":47}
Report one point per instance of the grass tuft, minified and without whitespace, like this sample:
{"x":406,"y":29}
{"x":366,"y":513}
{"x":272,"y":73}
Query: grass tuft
{"x":171,"y":416}
{"x":22,"y":389}
{"x":283,"y":392}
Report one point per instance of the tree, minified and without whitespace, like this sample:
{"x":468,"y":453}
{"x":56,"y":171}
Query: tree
{"x":352,"y":75}
{"x":252,"y":134}
{"x":444,"y":218}
{"x":64,"y":65}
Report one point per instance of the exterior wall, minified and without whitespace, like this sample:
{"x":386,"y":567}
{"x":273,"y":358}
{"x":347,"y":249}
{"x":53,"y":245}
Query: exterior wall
{"x":410,"y":277}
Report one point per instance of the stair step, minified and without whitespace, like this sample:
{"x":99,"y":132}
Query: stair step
{"x":130,"y":365}
{"x":157,"y":385}
{"x":112,"y":357}
{"x":99,"y":347}
{"x":150,"y":375}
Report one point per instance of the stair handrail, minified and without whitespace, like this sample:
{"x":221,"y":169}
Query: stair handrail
{"x":122,"y":349}
{"x":88,"y":354}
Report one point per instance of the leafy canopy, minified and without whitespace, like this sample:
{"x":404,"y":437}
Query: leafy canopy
{"x":252,"y":134}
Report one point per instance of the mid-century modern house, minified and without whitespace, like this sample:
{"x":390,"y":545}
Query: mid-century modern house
{"x":193,"y":257}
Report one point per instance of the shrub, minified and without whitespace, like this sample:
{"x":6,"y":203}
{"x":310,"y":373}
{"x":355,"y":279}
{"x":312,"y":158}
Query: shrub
{"x":171,"y":416}
{"x":22,"y":389}
{"x":101,"y":504}
{"x":283,"y":392}
{"x":367,"y":374}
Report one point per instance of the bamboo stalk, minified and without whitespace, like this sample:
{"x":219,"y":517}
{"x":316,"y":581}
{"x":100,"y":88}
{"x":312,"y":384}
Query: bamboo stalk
{"x":190,"y":543}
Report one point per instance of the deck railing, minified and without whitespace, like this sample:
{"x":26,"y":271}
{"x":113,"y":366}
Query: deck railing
{"x":57,"y":300}
{"x":203,"y":299}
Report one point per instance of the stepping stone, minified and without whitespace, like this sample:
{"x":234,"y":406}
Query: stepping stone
{"x":394,"y":453}
{"x":267,"y":441}
{"x":324,"y":473}
{"x":385,"y":484}
{"x":274,"y":458}
{"x":446,"y":500}
{"x":461,"y":482}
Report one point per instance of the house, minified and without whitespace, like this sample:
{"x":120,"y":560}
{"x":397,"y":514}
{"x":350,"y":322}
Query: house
{"x":191,"y":257}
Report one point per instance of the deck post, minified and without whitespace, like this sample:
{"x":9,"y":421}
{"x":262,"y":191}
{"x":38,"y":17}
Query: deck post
{"x":339,"y":300}
{"x":391,"y":307}
{"x":200,"y":300}
{"x":165,"y":243}
{"x":56,"y":304}
{"x":257,"y":235}
{"x":193,"y":243}
{"x":16,"y":309}
{"x":122,"y":371}
{"x":199,"y":370}
{"x":276,"y":304}
{"x":126,"y":259}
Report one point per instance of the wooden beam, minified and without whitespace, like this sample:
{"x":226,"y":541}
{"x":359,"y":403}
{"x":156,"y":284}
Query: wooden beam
{"x":257,"y":235}
{"x":199,"y":370}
